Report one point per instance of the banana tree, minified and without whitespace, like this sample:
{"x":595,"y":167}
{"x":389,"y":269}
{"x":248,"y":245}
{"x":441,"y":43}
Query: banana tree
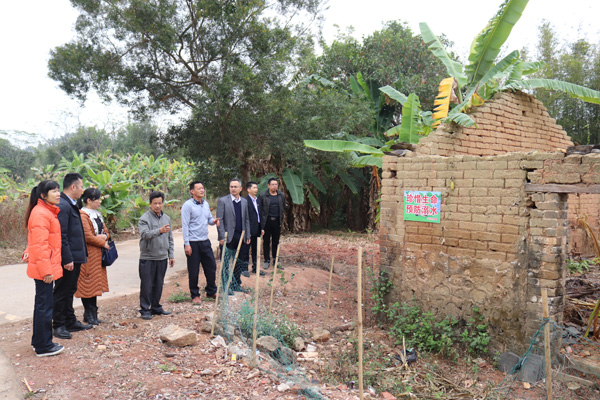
{"x":482,"y":77}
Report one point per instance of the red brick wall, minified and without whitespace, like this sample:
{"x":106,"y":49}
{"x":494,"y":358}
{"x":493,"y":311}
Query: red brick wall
{"x":509,"y":122}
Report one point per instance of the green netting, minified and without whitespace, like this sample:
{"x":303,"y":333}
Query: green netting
{"x":235,"y":319}
{"x":568,"y":381}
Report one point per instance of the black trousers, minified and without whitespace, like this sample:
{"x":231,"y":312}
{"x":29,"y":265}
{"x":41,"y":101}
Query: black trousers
{"x":252,"y":250}
{"x":272,"y":233}
{"x":152,"y":278}
{"x":89,"y":303}
{"x":236,"y":281}
{"x":41,"y":340}
{"x":64,"y":289}
{"x":202,"y":253}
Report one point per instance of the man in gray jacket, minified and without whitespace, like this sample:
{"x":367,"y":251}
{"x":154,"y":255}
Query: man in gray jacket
{"x":156,"y":246}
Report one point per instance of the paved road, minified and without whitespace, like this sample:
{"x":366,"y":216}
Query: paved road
{"x":17,"y":291}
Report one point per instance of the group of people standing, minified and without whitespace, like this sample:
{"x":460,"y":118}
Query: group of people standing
{"x":254,"y":215}
{"x":66,"y":234}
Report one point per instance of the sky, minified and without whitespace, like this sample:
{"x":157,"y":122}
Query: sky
{"x":32,"y":102}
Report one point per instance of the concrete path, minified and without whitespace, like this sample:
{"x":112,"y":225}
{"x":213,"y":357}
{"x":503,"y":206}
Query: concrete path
{"x":17,"y":291}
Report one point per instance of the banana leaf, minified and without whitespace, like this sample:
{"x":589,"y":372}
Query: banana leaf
{"x":486,"y":46}
{"x":454,"y":68}
{"x":367,"y":161}
{"x":461,"y":119}
{"x":496,"y":71}
{"x":314,"y":201}
{"x":341,"y":146}
{"x":294,"y":185}
{"x":533,"y":67}
{"x":573,"y":90}
{"x":349,"y":181}
{"x":410,"y":125}
{"x":394,"y":94}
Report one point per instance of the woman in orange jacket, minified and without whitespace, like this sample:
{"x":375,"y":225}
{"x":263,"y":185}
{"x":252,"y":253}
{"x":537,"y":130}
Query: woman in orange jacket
{"x":44,"y":256}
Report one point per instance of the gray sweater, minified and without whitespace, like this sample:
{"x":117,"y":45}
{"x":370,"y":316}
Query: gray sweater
{"x":153,"y":244}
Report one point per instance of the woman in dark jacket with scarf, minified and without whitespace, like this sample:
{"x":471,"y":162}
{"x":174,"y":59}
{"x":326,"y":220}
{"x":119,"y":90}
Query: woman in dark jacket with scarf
{"x":93,"y":280}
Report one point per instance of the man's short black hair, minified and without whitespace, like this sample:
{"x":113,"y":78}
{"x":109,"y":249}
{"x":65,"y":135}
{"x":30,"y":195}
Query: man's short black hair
{"x":70,"y":179}
{"x":272,"y":179}
{"x":194,"y":183}
{"x":249,"y":184}
{"x":155,"y":195}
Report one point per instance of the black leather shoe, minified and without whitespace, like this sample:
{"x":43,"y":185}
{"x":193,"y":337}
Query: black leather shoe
{"x":146,"y":316}
{"x":241,"y":289}
{"x":161,"y":312}
{"x":262,"y":273}
{"x":230,"y":292}
{"x":78,"y":326}
{"x":62,"y":333}
{"x":246,"y":274}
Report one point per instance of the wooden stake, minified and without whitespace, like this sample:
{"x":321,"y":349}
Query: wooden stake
{"x":329,"y":291}
{"x":256,"y":290}
{"x":27,"y":384}
{"x":360,"y":324}
{"x":274,"y":276}
{"x":219,"y":272}
{"x":547,"y":344}
{"x":232,"y":266}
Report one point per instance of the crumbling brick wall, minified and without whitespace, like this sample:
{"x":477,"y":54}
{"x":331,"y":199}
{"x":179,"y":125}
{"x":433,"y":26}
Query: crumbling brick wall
{"x":510,"y":122}
{"x":499,"y":241}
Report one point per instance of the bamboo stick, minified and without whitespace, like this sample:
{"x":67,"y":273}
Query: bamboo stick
{"x":547,"y":344}
{"x":219,"y":272}
{"x":274,"y":276}
{"x":360,"y":324}
{"x":256,"y":290}
{"x":329,"y":291}
{"x":232,"y":266}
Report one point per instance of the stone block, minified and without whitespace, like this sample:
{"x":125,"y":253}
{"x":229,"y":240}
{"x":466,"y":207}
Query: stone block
{"x":532,"y":369}
{"x":508,"y":361}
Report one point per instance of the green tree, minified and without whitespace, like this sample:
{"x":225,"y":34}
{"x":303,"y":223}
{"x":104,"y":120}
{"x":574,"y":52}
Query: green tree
{"x":579,"y":63}
{"x":86,"y":140}
{"x":15,"y":160}
{"x":140,"y":137}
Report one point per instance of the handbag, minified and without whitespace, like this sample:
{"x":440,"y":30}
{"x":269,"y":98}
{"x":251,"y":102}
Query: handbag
{"x":109,"y":255}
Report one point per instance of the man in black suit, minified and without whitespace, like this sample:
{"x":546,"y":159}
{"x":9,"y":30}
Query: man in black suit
{"x":255,"y":227}
{"x":272,"y":203}
{"x":73,"y":253}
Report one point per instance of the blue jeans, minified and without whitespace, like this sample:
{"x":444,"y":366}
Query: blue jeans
{"x":41,"y":340}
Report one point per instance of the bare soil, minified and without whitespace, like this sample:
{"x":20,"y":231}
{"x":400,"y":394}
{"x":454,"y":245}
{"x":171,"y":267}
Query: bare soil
{"x":123,"y":357}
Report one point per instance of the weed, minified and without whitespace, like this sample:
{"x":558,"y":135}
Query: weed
{"x":475,"y":335}
{"x":422,"y":329}
{"x":179,"y":297}
{"x":282,"y":328}
{"x":167,"y":368}
{"x":578,"y":267}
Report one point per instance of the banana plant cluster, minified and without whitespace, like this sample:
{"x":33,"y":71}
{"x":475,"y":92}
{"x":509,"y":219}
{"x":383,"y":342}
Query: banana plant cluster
{"x":123,"y":180}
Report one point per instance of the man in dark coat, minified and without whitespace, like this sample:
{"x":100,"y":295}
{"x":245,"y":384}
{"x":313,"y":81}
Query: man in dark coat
{"x":73,"y":253}
{"x":272,"y":202}
{"x":255,"y":227}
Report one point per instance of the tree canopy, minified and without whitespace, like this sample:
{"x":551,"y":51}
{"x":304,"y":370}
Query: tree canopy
{"x":575,"y":62}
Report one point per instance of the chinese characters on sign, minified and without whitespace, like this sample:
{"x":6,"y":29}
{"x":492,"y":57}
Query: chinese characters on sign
{"x":422,"y":206}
